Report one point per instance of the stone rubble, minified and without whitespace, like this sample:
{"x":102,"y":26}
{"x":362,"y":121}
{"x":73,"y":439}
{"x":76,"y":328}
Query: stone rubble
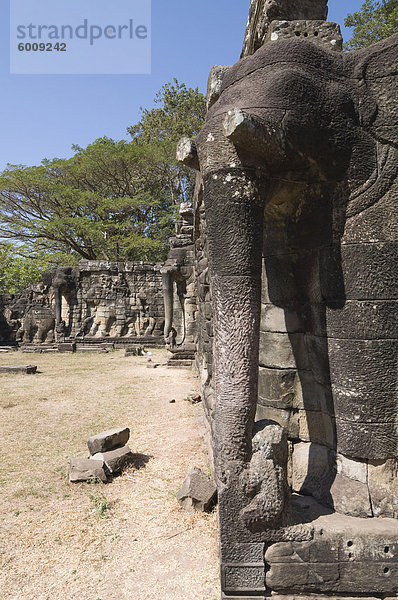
{"x":109,"y":455}
{"x":108,"y":440}
{"x":197,"y":493}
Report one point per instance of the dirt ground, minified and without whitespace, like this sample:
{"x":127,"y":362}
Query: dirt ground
{"x":126,"y":540}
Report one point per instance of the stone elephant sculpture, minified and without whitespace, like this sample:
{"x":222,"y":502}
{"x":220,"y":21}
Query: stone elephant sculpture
{"x":178,"y":274}
{"x":298,"y":159}
{"x":37,"y":326}
{"x":63,"y":281}
{"x":174,"y":273}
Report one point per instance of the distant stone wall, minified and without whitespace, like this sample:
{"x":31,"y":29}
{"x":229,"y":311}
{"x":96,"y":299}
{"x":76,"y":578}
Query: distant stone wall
{"x":116,"y":300}
{"x":98,"y":299}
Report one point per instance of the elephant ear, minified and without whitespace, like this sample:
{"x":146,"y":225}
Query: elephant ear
{"x":374,"y":75}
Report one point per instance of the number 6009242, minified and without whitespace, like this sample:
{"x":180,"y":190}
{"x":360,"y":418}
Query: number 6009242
{"x":42,"y":47}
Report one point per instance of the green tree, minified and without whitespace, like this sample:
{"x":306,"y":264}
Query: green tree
{"x":18,"y":270}
{"x":375,"y":21}
{"x":179,"y":112}
{"x":114,"y":200}
{"x":109,"y":201}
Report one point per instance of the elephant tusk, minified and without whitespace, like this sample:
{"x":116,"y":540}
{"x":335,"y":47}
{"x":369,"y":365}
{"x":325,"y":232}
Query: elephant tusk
{"x":248,"y":133}
{"x":187,"y":153}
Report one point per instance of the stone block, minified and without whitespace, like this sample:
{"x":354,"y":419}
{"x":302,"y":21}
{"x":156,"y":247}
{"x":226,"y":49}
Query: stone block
{"x":321,"y":33}
{"x":311,"y":395}
{"x":249,"y":579}
{"x":90,"y":350}
{"x":350,"y":497}
{"x":276,"y":387}
{"x":67,"y":347}
{"x":313,"y":470}
{"x":115,"y":460}
{"x":279,"y":320}
{"x":363,"y":319}
{"x":370,"y":271}
{"x":287,"y":418}
{"x":134,"y":350}
{"x":108,"y":440}
{"x":197,"y":493}
{"x":383,"y":487}
{"x":27,"y":369}
{"x":353,"y":469}
{"x":305,"y":577}
{"x":242,"y":553}
{"x":362,"y":391}
{"x":373,"y":441}
{"x":85,"y":469}
{"x":276,"y":351}
{"x":317,"y":427}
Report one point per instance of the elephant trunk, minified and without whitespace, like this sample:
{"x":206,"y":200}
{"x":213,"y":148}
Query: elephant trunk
{"x":58,"y":305}
{"x":167,"y":282}
{"x":234,"y":214}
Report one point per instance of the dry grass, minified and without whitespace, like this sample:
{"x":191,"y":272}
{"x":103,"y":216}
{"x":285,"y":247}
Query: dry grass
{"x":122,"y":541}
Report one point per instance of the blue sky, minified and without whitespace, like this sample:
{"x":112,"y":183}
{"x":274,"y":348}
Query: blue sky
{"x":43,"y":115}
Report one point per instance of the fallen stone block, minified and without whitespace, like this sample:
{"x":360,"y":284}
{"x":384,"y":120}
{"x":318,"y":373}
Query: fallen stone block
{"x":197,"y":493}
{"x":134,"y":351}
{"x":67,"y":347}
{"x":85,"y":469}
{"x":28,"y":369}
{"x":115,"y":460}
{"x":108,"y":346}
{"x":108,"y":440}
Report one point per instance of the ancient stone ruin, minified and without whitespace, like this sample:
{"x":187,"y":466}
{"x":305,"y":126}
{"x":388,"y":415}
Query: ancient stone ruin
{"x":295,"y":234}
{"x":282,"y":283}
{"x":124,"y":303}
{"x":97,"y":300}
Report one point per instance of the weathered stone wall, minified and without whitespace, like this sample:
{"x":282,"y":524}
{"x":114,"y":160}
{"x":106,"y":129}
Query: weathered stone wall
{"x":298,"y":162}
{"x":263,"y":12}
{"x":117,"y":300}
{"x":205,"y":333}
{"x":98,"y":299}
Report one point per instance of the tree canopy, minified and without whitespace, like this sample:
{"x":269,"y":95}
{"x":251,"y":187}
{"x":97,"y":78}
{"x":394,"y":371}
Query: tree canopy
{"x":110,"y":201}
{"x":18,"y":270}
{"x":114,"y":200}
{"x":375,"y":21}
{"x":179,"y":112}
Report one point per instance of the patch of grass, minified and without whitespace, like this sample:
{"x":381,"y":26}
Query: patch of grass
{"x":63,"y":472}
{"x":30,"y":491}
{"x":99,"y":505}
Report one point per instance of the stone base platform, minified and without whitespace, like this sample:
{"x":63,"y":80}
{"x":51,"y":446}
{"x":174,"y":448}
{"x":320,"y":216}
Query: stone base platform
{"x":346,"y":558}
